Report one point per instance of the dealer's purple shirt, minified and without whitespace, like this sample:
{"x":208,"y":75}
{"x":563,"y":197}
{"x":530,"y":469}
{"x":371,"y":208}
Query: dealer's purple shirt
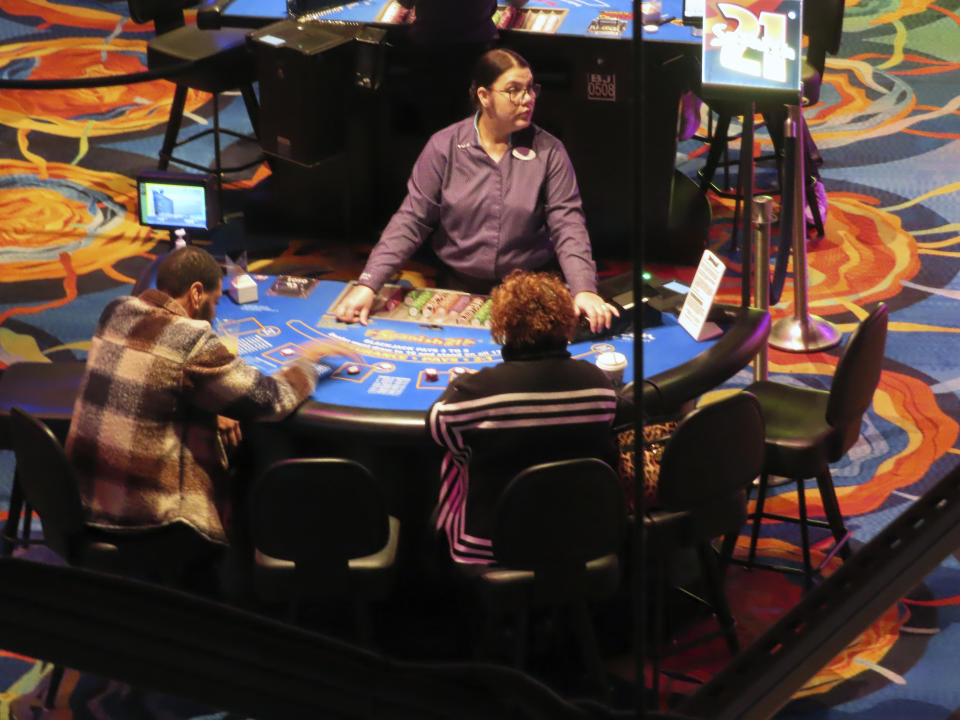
{"x":489,"y":218}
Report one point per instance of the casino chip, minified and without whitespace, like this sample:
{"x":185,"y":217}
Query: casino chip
{"x":431,"y":374}
{"x":353,"y":369}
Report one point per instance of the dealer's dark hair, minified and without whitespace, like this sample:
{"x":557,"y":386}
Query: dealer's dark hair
{"x":185,"y":266}
{"x":532,"y":309}
{"x":491,"y":65}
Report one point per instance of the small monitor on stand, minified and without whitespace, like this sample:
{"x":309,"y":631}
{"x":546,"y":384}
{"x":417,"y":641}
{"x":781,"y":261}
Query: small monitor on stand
{"x":184,"y":203}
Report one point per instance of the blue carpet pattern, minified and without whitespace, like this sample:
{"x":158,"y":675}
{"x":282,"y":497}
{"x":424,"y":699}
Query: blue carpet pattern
{"x":887,"y":126}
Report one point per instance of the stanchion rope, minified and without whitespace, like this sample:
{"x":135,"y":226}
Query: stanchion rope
{"x":164,"y":73}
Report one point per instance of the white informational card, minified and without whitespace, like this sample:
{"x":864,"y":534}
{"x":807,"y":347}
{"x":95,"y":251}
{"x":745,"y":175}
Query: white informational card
{"x":696,"y":307}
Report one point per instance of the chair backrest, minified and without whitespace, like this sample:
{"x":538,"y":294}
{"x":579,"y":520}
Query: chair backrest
{"x":823,"y":26}
{"x":858,"y":374}
{"x":559,"y":514}
{"x":715,"y":451}
{"x":318,"y":511}
{"x":47,"y":481}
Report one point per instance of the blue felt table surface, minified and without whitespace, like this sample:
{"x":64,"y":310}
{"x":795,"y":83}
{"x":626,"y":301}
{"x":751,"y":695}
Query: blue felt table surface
{"x":579,"y":15}
{"x":397,"y":354}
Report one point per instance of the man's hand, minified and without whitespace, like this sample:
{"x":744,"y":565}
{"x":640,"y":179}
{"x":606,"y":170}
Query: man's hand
{"x":355,"y":307}
{"x":599,"y":314}
{"x":317,"y":349}
{"x":229,"y":430}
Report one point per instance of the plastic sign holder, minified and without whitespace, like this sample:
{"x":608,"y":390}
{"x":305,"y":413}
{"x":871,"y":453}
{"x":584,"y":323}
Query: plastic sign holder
{"x":703,"y":289}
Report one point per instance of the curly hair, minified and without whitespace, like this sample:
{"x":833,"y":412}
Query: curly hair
{"x":532,"y":309}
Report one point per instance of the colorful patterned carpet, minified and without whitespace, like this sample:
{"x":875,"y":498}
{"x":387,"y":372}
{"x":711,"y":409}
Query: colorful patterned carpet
{"x":887,"y":126}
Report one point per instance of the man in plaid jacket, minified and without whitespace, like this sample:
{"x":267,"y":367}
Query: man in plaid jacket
{"x":160,"y":402}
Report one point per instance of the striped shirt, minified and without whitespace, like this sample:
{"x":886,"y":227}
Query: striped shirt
{"x":500,"y":421}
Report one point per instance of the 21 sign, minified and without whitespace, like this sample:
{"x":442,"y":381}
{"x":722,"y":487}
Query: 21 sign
{"x":752,"y":46}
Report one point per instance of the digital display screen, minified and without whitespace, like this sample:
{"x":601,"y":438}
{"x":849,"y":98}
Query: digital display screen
{"x":272,"y":40}
{"x":164,"y":204}
{"x":752,"y":45}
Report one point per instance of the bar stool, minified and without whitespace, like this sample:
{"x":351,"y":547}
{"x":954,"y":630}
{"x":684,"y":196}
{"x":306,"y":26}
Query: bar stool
{"x":807,"y":429}
{"x":220,"y":62}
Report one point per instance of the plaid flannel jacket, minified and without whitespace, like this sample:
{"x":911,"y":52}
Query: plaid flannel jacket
{"x":144,"y":438}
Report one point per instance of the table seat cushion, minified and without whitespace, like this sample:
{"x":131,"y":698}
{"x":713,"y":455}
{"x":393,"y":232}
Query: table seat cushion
{"x":800,"y":443}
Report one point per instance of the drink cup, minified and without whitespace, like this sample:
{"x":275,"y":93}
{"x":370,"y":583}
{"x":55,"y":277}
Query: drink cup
{"x":650,"y":11}
{"x":232,"y":342}
{"x":613,"y":364}
{"x":229,"y":339}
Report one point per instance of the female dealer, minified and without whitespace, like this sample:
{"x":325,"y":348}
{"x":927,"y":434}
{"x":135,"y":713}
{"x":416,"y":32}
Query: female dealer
{"x":494,"y":193}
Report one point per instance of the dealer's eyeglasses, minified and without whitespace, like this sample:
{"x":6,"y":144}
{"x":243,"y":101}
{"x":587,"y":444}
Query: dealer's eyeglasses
{"x":516,"y":94}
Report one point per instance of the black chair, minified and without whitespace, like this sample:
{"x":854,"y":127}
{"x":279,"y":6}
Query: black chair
{"x":321,"y":531}
{"x":823,"y":27}
{"x":49,"y":390}
{"x":807,"y":429}
{"x":707,"y":466}
{"x":48,"y":484}
{"x":220,"y":61}
{"x":557,"y":529}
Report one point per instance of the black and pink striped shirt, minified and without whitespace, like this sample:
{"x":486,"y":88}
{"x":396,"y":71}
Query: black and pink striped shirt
{"x":532,"y":408}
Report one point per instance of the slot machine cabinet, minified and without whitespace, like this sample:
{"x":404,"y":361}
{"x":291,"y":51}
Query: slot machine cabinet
{"x":588,"y":103}
{"x":318,"y":90}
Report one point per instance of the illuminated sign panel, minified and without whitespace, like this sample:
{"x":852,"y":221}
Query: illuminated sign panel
{"x":752,"y":46}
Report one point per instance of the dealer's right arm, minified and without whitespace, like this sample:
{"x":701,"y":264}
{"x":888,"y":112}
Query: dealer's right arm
{"x":411,"y":224}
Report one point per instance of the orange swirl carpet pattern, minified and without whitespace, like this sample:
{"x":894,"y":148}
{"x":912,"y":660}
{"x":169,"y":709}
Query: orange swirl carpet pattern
{"x":888,"y":127}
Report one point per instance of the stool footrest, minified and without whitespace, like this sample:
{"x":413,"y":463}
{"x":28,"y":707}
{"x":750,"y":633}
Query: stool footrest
{"x":757,"y":565}
{"x":837,"y":547}
{"x":206,"y":168}
{"x":790,"y":518}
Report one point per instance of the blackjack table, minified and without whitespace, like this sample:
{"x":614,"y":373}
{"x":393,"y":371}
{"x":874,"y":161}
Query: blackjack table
{"x":418,"y":339}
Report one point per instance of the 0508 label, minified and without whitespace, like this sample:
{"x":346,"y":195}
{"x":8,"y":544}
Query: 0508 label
{"x":602,"y":86}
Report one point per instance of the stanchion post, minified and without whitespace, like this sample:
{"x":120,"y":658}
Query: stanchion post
{"x":762,"y":220}
{"x":803,"y":332}
{"x":745,"y":175}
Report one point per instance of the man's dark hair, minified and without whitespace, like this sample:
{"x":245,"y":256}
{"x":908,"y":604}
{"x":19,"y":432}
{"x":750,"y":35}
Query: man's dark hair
{"x":185,"y":266}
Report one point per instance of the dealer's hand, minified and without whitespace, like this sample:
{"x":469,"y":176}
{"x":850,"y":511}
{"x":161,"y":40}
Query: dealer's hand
{"x":315,"y":350}
{"x":230,"y":434}
{"x":355,"y":307}
{"x":599,"y":313}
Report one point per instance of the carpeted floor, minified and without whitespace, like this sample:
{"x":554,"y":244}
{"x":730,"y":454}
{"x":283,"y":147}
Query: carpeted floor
{"x":887,"y":127}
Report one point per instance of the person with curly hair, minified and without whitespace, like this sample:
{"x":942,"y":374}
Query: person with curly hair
{"x":494,"y":193}
{"x":539,"y":405}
